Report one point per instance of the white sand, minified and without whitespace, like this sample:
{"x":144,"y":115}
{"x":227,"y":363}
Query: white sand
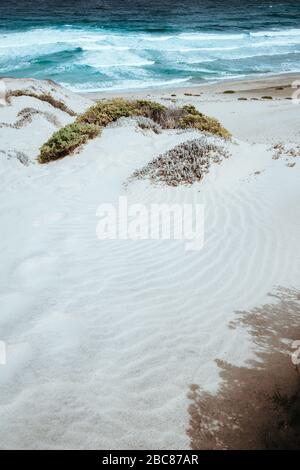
{"x":104,"y":337}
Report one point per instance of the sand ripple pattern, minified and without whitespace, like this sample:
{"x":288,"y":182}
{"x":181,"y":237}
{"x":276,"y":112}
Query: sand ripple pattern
{"x":109,"y":333}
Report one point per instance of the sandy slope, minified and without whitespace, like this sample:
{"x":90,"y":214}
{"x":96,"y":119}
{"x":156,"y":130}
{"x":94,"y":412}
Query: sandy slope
{"x":104,"y":337}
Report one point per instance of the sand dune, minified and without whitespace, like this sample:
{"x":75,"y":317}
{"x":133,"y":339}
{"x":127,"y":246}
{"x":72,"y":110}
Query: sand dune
{"x":104,"y":337}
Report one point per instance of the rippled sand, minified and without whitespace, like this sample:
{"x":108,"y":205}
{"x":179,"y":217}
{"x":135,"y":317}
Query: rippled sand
{"x":104,"y":338}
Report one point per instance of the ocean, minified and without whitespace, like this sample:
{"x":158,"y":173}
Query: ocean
{"x":110,"y":45}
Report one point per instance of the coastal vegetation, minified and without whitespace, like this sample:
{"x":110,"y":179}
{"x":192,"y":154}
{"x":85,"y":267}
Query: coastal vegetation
{"x":184,"y":164}
{"x":66,"y":140}
{"x":47,"y":97}
{"x":89,"y":124}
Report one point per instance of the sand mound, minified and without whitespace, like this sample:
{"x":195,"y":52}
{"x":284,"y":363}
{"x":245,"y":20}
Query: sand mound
{"x":104,"y":337}
{"x":13,"y":89}
{"x":26,"y":121}
{"x":184,"y":164}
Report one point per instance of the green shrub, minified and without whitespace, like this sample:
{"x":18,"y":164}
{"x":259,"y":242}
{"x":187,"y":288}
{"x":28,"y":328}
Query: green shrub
{"x":193,"y":118}
{"x":185,"y":117}
{"x":89,"y":124}
{"x":105,"y":112}
{"x":66,"y":140}
{"x":150,"y":109}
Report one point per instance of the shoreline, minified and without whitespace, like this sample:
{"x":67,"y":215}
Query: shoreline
{"x":252,"y":100}
{"x":248,"y":84}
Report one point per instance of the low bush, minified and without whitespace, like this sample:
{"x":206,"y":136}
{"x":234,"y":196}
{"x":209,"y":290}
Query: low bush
{"x":89,"y":124}
{"x":184,"y":164}
{"x":66,"y":140}
{"x":193,"y":118}
{"x":105,"y":112}
{"x":150,"y":109}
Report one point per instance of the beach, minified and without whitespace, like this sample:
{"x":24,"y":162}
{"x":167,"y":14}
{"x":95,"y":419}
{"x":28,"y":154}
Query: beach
{"x":138,"y":45}
{"x":243,"y":112}
{"x":142,"y":344}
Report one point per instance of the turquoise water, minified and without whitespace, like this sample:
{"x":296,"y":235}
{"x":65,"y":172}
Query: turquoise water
{"x":115,"y":45}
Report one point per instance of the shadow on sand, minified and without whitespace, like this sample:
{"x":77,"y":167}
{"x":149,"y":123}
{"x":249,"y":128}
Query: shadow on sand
{"x":257,"y":406}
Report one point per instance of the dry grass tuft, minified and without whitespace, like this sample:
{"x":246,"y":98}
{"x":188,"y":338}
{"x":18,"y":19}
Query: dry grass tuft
{"x":43,"y":97}
{"x":148,"y":124}
{"x":288,"y":152}
{"x":25,"y":117}
{"x":184,"y":164}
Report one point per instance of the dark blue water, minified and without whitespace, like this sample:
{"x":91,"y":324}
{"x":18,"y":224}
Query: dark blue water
{"x":113,"y":44}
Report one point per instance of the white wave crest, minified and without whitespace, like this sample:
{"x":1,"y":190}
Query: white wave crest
{"x":125,"y":85}
{"x":287,"y":32}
